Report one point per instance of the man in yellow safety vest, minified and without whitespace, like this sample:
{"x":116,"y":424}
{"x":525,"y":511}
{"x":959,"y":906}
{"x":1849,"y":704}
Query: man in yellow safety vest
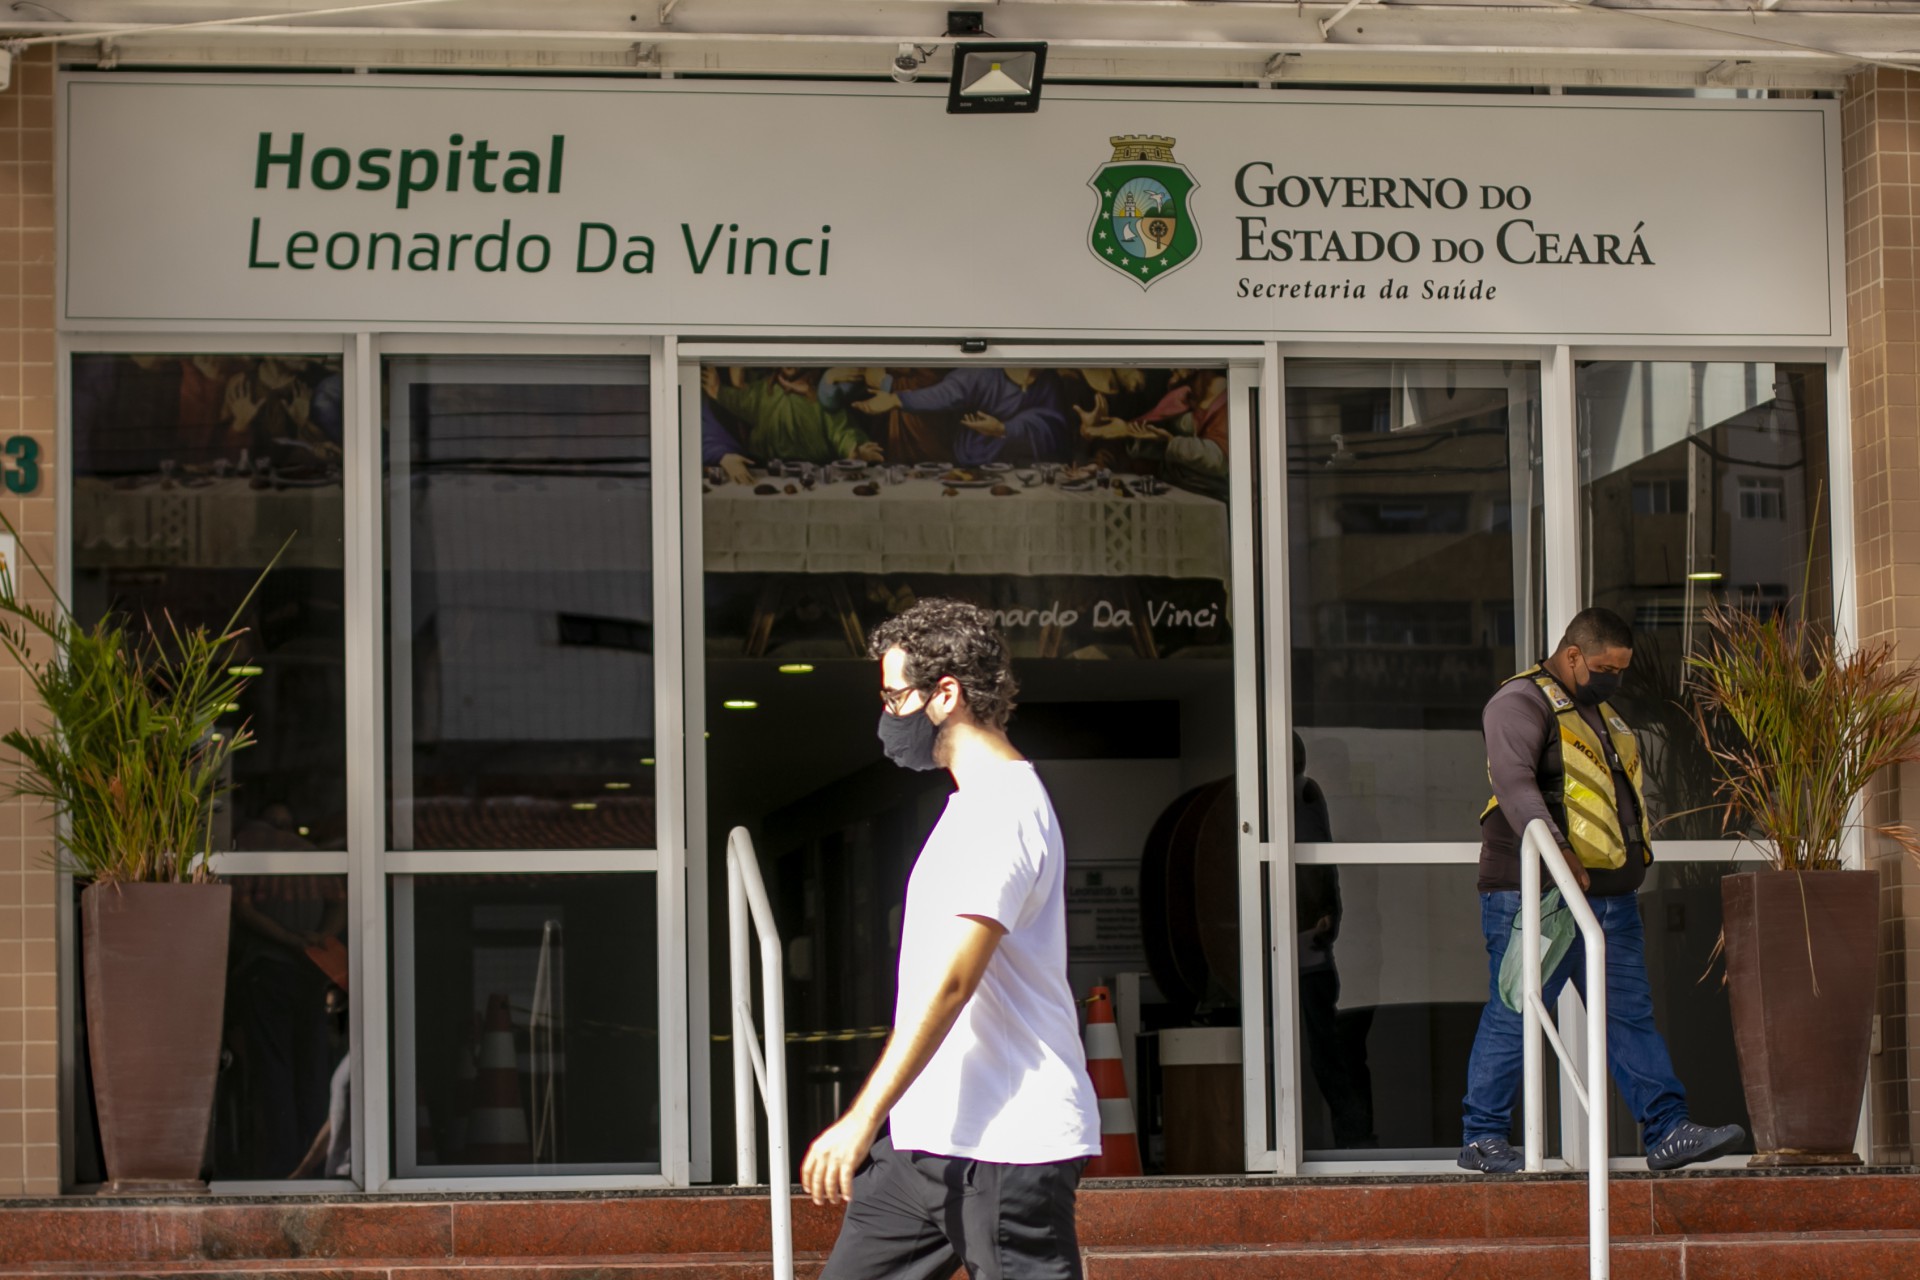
{"x":1557,"y":750}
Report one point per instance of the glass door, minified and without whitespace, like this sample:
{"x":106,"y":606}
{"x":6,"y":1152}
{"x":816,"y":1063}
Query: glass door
{"x":1413,"y":546}
{"x":529,"y":936}
{"x":1093,"y":507}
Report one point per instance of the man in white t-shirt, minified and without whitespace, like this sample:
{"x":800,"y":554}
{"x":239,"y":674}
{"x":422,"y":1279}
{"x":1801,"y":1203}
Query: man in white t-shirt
{"x":983,"y":1084}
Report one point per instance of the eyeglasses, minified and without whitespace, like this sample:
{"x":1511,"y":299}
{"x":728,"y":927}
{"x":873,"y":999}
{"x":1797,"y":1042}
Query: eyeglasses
{"x":894,"y":699}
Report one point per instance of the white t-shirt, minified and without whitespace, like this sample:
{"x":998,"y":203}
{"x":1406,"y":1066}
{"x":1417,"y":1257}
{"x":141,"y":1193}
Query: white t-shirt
{"x":1009,"y":1084}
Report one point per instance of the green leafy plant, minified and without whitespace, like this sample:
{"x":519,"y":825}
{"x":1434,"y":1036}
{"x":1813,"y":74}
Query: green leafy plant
{"x":131,"y":755}
{"x":1815,"y":723}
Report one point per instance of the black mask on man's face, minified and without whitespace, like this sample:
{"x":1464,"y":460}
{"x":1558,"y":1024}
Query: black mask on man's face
{"x":1598,"y":687}
{"x":909,"y":740}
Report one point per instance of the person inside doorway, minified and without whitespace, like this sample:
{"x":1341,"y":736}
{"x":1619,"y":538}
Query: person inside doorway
{"x":1557,"y":750}
{"x":1336,"y":1038}
{"x":982,"y":1088}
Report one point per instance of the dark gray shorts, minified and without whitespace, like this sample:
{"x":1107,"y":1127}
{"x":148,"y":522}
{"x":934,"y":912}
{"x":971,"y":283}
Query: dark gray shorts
{"x":916,"y":1216}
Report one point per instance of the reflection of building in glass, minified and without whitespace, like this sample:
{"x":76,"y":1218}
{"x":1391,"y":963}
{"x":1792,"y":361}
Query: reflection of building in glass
{"x":1703,"y":483}
{"x":520,"y":607}
{"x":1413,"y":593}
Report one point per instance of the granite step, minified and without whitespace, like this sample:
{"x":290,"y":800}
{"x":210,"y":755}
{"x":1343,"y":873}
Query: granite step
{"x":1128,"y":1223}
{"x":1774,"y":1255}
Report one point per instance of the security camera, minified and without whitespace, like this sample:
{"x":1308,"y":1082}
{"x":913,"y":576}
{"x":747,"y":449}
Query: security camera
{"x":906,"y":64}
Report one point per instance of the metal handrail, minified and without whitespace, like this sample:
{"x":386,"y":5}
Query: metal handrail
{"x":749,"y":911}
{"x":1538,"y":845}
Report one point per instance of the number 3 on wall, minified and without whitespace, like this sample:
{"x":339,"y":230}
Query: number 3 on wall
{"x":23,"y":476}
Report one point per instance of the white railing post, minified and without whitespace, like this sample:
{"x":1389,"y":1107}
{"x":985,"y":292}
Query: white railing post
{"x":746,"y":1146}
{"x":1533,"y":1085}
{"x":1537,"y":845}
{"x":748,"y":910}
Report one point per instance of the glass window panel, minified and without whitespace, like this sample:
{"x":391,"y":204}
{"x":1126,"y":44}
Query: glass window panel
{"x":1414,"y":588}
{"x":520,"y":604}
{"x":1700,"y":482}
{"x":1680,"y":915}
{"x":1086,"y":507}
{"x":527,"y":1024}
{"x":1393,"y":975}
{"x":190,"y":473}
{"x":283,"y":1108}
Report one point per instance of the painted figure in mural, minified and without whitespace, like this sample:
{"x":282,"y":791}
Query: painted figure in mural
{"x":1556,"y":749}
{"x":1123,"y":391}
{"x":778,"y":414}
{"x":966,"y":1143}
{"x":1002,"y":415}
{"x":193,"y":412}
{"x":910,"y":437}
{"x":1183,"y":436}
{"x":273,"y":410}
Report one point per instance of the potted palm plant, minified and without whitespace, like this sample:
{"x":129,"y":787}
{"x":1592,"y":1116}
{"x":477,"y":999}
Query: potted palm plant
{"x":131,"y":756}
{"x":1799,"y":726}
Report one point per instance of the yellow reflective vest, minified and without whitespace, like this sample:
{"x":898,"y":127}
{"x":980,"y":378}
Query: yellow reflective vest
{"x":1576,"y":780}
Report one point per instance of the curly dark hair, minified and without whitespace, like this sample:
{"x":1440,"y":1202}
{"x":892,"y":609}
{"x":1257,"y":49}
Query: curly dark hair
{"x":952,"y":638}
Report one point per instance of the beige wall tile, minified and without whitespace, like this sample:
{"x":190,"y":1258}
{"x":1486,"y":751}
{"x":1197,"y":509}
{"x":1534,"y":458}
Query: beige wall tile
{"x":29,"y":993}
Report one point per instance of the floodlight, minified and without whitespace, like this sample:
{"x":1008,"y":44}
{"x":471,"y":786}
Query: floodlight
{"x":996,"y":78}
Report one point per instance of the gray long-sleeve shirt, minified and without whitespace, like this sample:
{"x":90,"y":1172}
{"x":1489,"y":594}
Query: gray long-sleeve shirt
{"x":1517,"y":722}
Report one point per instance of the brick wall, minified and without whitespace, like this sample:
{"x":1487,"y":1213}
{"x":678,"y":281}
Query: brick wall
{"x":29,"y":1004}
{"x":1880,"y":124}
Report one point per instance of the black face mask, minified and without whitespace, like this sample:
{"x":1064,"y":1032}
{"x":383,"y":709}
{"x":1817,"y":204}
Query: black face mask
{"x":908,"y":740}
{"x":1600,"y":686}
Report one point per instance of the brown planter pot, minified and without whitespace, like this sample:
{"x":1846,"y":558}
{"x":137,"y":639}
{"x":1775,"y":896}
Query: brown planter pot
{"x":156,"y":972}
{"x":1803,"y":1056}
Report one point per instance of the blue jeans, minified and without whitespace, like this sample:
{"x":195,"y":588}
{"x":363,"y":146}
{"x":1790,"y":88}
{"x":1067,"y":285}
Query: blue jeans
{"x":1636,"y":1052}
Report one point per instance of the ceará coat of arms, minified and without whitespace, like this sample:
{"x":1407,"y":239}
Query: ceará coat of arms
{"x":1144,"y":226}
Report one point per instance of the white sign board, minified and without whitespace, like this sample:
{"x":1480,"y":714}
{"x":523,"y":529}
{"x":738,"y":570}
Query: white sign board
{"x":866,"y":209}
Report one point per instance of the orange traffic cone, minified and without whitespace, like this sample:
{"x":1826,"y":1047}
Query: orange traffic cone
{"x":497,"y":1130}
{"x":1119,"y":1146}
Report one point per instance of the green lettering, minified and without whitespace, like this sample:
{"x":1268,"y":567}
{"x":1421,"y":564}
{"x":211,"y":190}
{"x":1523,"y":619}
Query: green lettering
{"x":268,"y":159}
{"x":373,"y":248}
{"x":500,"y":241}
{"x":773,"y":255}
{"x":253,"y":251}
{"x":298,"y":243}
{"x":25,"y":474}
{"x":336,"y":159}
{"x":546,"y":253}
{"x":523,"y":172}
{"x":426,"y":163}
{"x":595,"y":228}
{"x":700,"y":259}
{"x":378,"y":173}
